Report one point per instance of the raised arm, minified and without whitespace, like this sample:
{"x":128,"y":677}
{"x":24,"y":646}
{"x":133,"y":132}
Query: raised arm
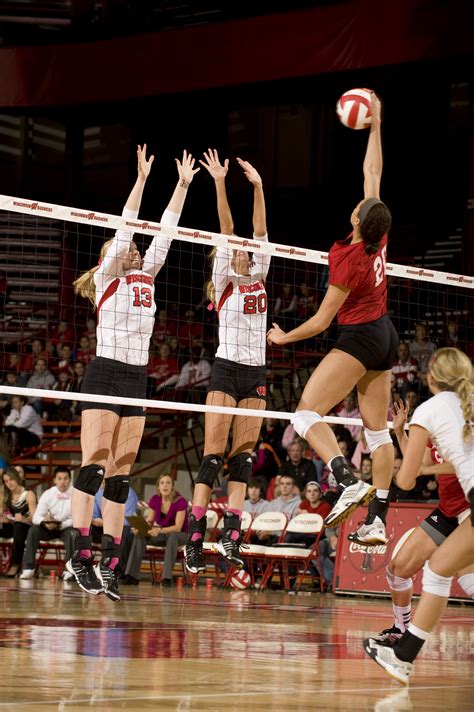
{"x":156,"y":254}
{"x":112,"y":263}
{"x":373,"y":161}
{"x":218,"y":171}
{"x":261,"y":262}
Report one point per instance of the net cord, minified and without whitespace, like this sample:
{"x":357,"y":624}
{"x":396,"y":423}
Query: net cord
{"x":212,"y":239}
{"x":166,"y":405}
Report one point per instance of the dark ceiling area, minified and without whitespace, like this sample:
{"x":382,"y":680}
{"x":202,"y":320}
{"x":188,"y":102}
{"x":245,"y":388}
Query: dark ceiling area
{"x":51,"y":21}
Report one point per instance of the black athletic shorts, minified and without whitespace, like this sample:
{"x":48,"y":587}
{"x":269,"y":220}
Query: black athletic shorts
{"x":374,"y":344}
{"x":238,"y":380}
{"x":438,"y":526}
{"x":107,"y":377}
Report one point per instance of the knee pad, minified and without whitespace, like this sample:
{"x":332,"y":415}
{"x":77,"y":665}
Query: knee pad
{"x":90,"y":479}
{"x":116,"y":488}
{"x":467,"y":584}
{"x":303,"y":420}
{"x":240,"y":468}
{"x":434,"y":583}
{"x":209,"y":470}
{"x":397,"y":583}
{"x":377,"y":438}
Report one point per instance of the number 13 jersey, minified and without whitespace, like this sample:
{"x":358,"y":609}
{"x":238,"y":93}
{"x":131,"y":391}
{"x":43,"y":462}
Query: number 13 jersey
{"x":364,"y":275}
{"x":241,"y":302}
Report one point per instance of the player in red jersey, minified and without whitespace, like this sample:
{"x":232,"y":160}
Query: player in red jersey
{"x":424,"y":540}
{"x":363,"y":354}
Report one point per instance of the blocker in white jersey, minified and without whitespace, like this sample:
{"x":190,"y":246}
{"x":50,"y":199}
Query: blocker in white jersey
{"x":241,"y":307}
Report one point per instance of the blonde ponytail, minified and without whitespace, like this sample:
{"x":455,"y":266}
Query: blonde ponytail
{"x":451,"y":370}
{"x":209,"y":288}
{"x":84,"y":284}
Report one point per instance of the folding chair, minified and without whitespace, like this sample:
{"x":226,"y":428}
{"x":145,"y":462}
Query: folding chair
{"x":56,"y":549}
{"x":6,"y":546}
{"x":255,"y":554}
{"x":284,"y":556}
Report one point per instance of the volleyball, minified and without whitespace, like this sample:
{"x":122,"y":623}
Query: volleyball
{"x":240,"y":580}
{"x":354,"y":108}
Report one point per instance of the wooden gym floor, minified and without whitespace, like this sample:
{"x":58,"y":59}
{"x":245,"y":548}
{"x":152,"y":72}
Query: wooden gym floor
{"x":195,"y":649}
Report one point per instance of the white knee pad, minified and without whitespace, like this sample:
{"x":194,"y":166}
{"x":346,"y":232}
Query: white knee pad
{"x":303,"y":420}
{"x":376,"y":438}
{"x":467,"y":584}
{"x":434,"y":583}
{"x":397,"y":583}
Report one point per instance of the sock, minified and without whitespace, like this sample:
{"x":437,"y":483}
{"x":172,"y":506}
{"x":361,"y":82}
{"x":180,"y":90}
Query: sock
{"x":410,"y":644}
{"x":402,"y":616}
{"x":382,"y":494}
{"x":85,"y":553}
{"x":198,"y":513}
{"x":115,"y":559}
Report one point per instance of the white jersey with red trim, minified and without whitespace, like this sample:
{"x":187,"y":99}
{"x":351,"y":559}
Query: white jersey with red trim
{"x":242,"y":308}
{"x":125,"y":300}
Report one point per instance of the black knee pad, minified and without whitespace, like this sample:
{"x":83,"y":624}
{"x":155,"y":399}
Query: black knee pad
{"x":209,"y":470}
{"x":342,"y":470}
{"x":90,"y":479}
{"x":116,"y":488}
{"x":240,"y":468}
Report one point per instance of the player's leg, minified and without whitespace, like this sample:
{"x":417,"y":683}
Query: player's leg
{"x":374,"y":401}
{"x":333,"y":379}
{"x":245,"y":433}
{"x":97,"y":429}
{"x":125,"y":444}
{"x":216,"y":435}
{"x":408,"y":560}
{"x":456,"y":553}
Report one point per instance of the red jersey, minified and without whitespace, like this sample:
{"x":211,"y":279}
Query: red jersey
{"x":351,"y":267}
{"x":451,"y":497}
{"x":323,"y":508}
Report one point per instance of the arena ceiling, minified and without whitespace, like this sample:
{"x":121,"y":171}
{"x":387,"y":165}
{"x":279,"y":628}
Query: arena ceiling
{"x":52,"y":21}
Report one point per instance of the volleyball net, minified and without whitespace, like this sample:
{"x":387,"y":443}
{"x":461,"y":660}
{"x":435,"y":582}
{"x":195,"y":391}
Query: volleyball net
{"x":45,"y":246}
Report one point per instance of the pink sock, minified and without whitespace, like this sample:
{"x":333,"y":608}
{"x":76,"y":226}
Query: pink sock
{"x":198,"y":512}
{"x":85,"y":553}
{"x":115,"y":559}
{"x":234,"y":533}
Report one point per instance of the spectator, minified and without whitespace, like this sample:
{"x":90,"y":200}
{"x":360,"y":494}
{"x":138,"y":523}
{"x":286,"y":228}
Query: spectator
{"x":366,"y":469}
{"x":84,"y":353}
{"x":58,"y":408}
{"x":421,"y":349}
{"x":24,"y":425}
{"x":162,"y":368}
{"x":195,"y":376}
{"x":285,"y":306}
{"x":451,"y":338}
{"x":361,"y":449}
{"x":300,"y":468}
{"x":313,"y":501}
{"x":42,"y":379}
{"x":266,"y":463}
{"x":272,"y":433}
{"x":169,"y":526}
{"x":255,"y":504}
{"x":350,"y":409}
{"x":90,"y":327}
{"x":11,"y":379}
{"x":62,"y":334}
{"x":37,"y":351}
{"x":289,"y":436}
{"x":405,"y":370}
{"x":97,"y":523}
{"x":307,"y":304}
{"x":79,"y":370}
{"x":51,"y":520}
{"x":288,"y":502}
{"x":19,"y":507}
{"x":4,"y":455}
{"x":411,"y":401}
{"x":188,"y":331}
{"x":65,"y":362}
{"x":13,"y":364}
{"x":164,"y":329}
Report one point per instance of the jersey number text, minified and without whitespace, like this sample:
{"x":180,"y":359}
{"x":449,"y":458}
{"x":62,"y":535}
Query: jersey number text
{"x":143,"y":297}
{"x":254,"y":304}
{"x":379,"y":266}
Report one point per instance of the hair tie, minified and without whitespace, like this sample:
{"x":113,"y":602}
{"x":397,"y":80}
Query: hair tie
{"x":210,"y":306}
{"x":100,"y":261}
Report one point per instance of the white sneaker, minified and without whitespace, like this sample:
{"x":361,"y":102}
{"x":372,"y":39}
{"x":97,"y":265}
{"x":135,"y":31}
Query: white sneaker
{"x":27,"y":574}
{"x":352,"y":497}
{"x":67,"y":576}
{"x":386,"y":658}
{"x":370,"y":534}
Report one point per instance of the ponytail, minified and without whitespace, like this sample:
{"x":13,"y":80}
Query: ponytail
{"x":451,"y":370}
{"x":84,"y":284}
{"x":209,"y":288}
{"x":464,"y":390}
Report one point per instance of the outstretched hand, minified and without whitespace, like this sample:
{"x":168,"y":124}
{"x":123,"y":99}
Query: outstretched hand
{"x":399,"y":414}
{"x":186,"y":169}
{"x":250,"y":172}
{"x":144,"y":165}
{"x":213,"y":165}
{"x":275,"y":335}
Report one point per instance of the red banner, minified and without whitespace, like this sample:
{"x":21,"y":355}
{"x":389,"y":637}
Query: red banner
{"x":362,"y":569}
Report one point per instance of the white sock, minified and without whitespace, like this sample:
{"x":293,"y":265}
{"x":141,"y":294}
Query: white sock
{"x":402,"y":616}
{"x":382,"y":494}
{"x":414,"y":630}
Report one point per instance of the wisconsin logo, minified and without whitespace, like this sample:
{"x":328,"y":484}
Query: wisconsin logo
{"x":262,"y":390}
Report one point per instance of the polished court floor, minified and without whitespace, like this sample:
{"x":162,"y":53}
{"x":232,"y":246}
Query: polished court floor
{"x":196,"y":649}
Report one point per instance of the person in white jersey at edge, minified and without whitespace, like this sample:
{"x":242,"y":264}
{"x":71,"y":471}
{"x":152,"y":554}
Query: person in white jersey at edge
{"x":238,"y":375}
{"x":412,"y":552}
{"x":446,"y":419}
{"x":121,"y":288}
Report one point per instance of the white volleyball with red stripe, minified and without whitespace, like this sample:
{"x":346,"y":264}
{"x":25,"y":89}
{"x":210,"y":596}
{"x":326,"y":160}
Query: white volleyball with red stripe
{"x":240,"y":580}
{"x":354,"y":108}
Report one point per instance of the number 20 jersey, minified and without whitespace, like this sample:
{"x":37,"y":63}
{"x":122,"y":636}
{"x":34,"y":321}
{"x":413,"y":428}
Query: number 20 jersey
{"x":242,"y":309}
{"x":364,"y":275}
